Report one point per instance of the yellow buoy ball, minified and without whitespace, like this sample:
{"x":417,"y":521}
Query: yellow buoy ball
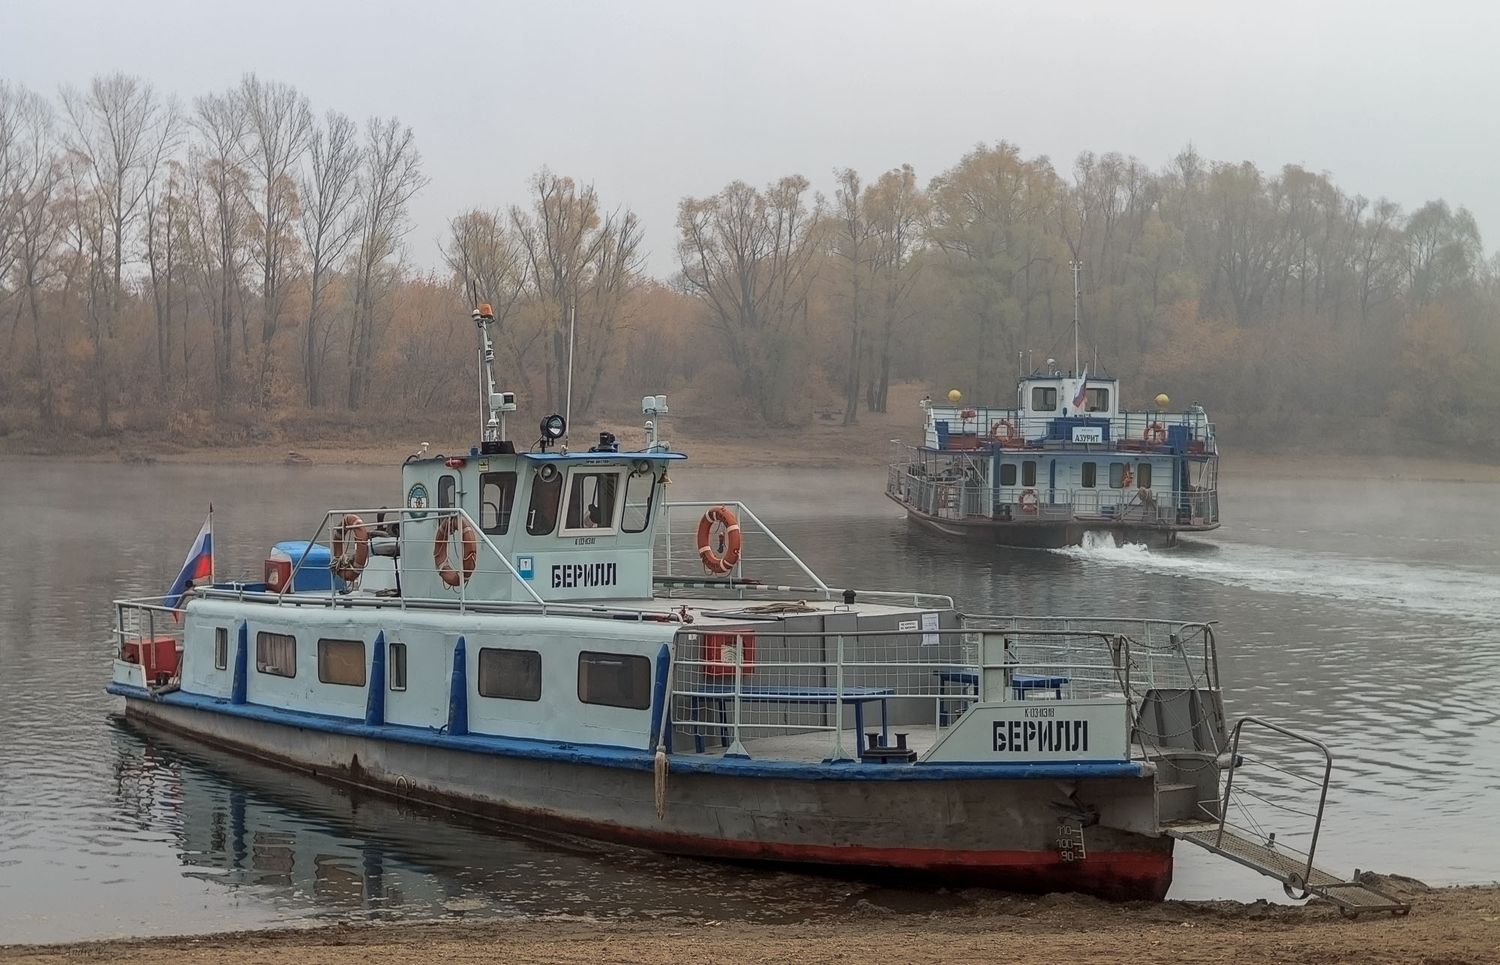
{"x":954,"y":395}
{"x":1162,"y":400}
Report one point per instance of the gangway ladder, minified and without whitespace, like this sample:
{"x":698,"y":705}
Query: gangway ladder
{"x":1299,"y":877}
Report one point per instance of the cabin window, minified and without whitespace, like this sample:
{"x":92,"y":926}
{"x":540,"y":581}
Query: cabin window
{"x":614,"y":680}
{"x":1143,"y":475}
{"x":396,"y":666}
{"x":1096,"y":400}
{"x":221,"y":648}
{"x":276,"y":654}
{"x":497,"y":494}
{"x":541,"y":516}
{"x":1088,"y":478}
{"x":341,"y":662}
{"x":1028,"y":472}
{"x":1043,"y":398}
{"x":1007,"y":474}
{"x":447,"y":491}
{"x":511,"y":674}
{"x":639,"y":488}
{"x":1117,"y":472}
{"x":591,"y":501}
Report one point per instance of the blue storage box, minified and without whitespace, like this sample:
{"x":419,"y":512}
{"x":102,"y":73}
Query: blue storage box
{"x":314,"y":573}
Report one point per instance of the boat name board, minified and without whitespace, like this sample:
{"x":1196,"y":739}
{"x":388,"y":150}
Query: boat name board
{"x":568,"y":575}
{"x":1017,"y":731}
{"x":1088,"y":433}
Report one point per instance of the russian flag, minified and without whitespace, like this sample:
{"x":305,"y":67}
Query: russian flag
{"x":1083,"y":390}
{"x":197,"y":568}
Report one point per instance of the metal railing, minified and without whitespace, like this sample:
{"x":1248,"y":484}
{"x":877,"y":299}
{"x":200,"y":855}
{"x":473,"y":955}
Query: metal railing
{"x":1016,"y":427}
{"x":139,"y":624}
{"x":773,"y":683}
{"x":680,"y":570}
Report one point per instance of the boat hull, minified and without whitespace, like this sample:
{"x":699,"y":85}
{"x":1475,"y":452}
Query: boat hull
{"x":1044,"y":534}
{"x":993,"y":832}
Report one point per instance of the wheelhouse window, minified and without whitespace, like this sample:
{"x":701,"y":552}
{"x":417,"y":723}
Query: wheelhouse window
{"x":1117,"y":472}
{"x":614,"y":680}
{"x":1096,"y":400}
{"x":510,"y":674}
{"x":546,"y":493}
{"x":1028,"y":472}
{"x":1007,"y":474}
{"x":221,"y":648}
{"x":1088,"y":478}
{"x":396,"y":666}
{"x":276,"y":654}
{"x":1143,"y":475}
{"x":497,"y":494}
{"x":591,"y":501}
{"x":447,"y":491}
{"x":639,"y":488}
{"x":341,"y":662}
{"x":1043,"y":398}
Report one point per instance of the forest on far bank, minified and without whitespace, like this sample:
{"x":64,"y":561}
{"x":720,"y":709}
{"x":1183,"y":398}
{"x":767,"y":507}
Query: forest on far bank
{"x":232,"y":269}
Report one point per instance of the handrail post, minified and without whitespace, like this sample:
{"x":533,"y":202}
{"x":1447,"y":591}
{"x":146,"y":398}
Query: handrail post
{"x":838,"y":707}
{"x":737,"y":748}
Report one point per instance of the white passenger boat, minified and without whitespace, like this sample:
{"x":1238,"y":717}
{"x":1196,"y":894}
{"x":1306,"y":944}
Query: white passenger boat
{"x":528,"y":638}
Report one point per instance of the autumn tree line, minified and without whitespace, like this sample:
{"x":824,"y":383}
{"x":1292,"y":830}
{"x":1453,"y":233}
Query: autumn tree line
{"x":234,"y":268}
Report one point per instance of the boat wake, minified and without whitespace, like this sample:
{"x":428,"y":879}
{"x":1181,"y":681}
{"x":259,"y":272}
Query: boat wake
{"x":1465,"y":594}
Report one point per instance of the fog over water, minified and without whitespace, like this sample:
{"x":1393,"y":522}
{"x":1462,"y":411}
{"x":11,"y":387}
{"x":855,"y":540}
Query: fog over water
{"x":1364,"y":613}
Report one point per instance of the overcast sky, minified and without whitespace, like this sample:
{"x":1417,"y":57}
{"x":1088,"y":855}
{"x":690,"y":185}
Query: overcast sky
{"x":654,"y":101}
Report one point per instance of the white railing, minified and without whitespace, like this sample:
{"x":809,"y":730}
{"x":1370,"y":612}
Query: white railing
{"x":1015,"y":428}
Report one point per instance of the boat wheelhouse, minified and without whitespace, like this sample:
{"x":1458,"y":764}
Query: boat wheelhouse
{"x":541,"y":637}
{"x":1064,"y":462}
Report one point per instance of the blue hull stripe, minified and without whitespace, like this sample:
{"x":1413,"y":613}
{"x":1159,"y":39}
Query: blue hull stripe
{"x":630,"y":758}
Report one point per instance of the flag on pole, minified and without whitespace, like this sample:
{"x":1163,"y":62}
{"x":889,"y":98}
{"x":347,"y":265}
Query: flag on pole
{"x":1082,"y":393}
{"x":197,"y":568}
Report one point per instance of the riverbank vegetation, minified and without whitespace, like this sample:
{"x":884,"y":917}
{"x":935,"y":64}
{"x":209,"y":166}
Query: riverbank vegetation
{"x":232,"y":269}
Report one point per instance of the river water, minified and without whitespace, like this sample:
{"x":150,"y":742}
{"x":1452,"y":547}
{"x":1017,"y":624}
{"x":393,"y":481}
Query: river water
{"x":1367,"y":613}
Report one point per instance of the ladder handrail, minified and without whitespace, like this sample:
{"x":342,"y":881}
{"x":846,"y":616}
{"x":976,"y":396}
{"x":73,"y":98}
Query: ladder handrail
{"x":1234,"y":761}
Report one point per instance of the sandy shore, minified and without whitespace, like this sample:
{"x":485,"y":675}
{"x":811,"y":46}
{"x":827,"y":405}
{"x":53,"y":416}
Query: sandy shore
{"x":1448,"y":926}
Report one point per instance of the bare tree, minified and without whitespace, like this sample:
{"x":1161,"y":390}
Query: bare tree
{"x":895,"y":207}
{"x":392,"y":175}
{"x":280,"y":126}
{"x":164,"y":206}
{"x":489,"y":264}
{"x":851,"y":247}
{"x":221,"y":218}
{"x":751,"y":258}
{"x":329,"y":192}
{"x":581,"y":264}
{"x":122,"y":130}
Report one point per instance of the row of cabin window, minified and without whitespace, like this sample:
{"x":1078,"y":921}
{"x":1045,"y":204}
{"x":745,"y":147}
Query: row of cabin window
{"x":610,"y":679}
{"x":591,"y":501}
{"x":1089,"y":478}
{"x":1044,"y":399}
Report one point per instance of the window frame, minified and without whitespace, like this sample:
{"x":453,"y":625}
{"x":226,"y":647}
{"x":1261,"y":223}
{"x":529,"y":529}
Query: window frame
{"x":538,"y":485}
{"x":1088,"y":475}
{"x":636,"y":660}
{"x":395,"y":649}
{"x":506,"y":511}
{"x":221,"y":648}
{"x":1143,"y":475}
{"x":1015,"y":473}
{"x":1117,"y":475}
{"x":268,"y":638}
{"x":650,"y":500}
{"x":1028,"y":474}
{"x":533,"y":657}
{"x":1039,"y":390}
{"x":447,"y":491}
{"x":1093,"y":392}
{"x":327,"y":645}
{"x":567,"y":503}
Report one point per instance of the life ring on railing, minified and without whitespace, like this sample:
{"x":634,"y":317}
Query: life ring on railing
{"x":351,"y":548}
{"x":1005,"y":431}
{"x":1155,"y":434}
{"x":468,"y":558}
{"x":1029,"y":501}
{"x":723,"y":559}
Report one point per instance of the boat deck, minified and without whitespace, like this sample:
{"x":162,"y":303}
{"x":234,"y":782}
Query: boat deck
{"x":814,"y":747}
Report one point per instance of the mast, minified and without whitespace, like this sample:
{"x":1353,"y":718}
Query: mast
{"x":494,"y":429}
{"x":1077,"y":267}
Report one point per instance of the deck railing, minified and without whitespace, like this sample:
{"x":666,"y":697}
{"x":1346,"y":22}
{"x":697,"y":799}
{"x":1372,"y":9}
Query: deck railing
{"x":733,"y":689}
{"x":1015,"y":428}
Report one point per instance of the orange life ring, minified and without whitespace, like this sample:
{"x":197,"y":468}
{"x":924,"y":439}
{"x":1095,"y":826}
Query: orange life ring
{"x":1005,"y":431}
{"x":1029,"y":501}
{"x":469,"y":557}
{"x":728,"y":553}
{"x":351,"y":548}
{"x":1155,"y":434}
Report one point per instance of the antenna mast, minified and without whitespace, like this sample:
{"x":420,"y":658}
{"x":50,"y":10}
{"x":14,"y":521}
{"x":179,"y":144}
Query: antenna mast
{"x":1077,"y":267}
{"x":494,"y":429}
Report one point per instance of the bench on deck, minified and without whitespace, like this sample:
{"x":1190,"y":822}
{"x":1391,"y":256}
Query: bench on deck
{"x":722,"y":694}
{"x":967,"y":680}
